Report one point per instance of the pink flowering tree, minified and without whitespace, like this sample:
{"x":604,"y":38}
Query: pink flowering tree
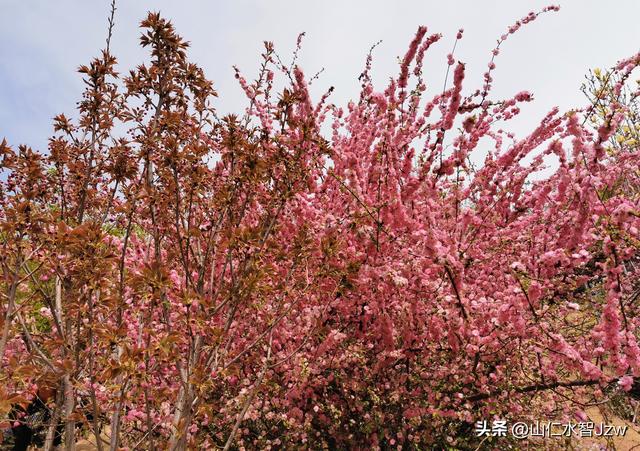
{"x":250,"y":281}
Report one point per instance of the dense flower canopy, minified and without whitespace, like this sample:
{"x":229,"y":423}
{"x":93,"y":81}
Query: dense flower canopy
{"x":189,"y":281}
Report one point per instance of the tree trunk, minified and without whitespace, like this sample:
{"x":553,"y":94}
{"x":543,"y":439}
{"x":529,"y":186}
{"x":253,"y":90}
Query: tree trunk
{"x":184,"y":411}
{"x":55,"y":418}
{"x":70,"y":424}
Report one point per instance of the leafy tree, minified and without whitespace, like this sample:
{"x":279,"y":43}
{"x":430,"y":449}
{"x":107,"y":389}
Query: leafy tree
{"x":608,"y":91}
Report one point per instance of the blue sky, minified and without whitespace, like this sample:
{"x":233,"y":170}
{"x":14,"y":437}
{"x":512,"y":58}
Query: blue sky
{"x":42,"y":42}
